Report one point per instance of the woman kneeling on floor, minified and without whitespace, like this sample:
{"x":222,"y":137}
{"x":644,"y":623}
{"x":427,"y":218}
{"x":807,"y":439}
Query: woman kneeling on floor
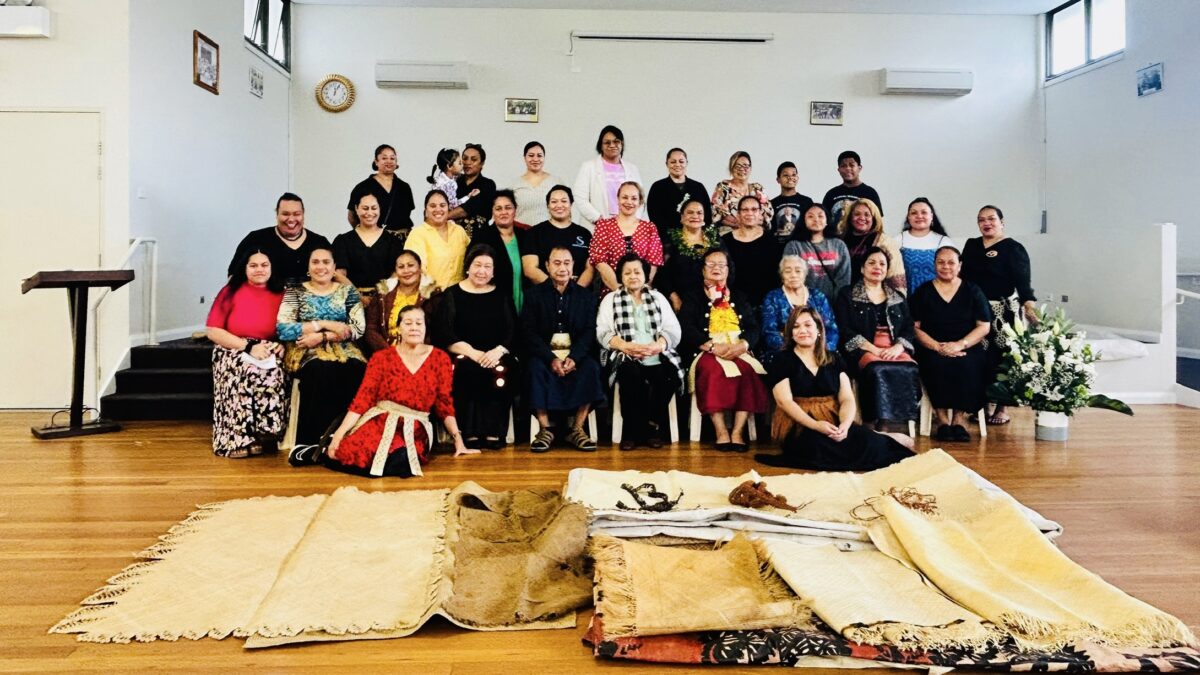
{"x":814,"y":413}
{"x":387,"y":431}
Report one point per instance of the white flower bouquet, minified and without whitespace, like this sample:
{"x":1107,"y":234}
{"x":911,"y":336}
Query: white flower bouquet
{"x":1048,"y":367}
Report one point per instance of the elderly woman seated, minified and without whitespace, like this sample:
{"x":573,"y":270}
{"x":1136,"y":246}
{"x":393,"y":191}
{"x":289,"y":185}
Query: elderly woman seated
{"x":387,"y":431}
{"x":719,"y":326}
{"x":780,"y":302}
{"x":814,"y":413}
{"x":558,"y":321}
{"x":877,"y":340}
{"x":638,"y":334}
{"x":952,"y":319}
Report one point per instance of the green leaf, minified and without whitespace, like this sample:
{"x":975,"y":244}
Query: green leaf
{"x":1101,"y":401}
{"x":1000,"y":394}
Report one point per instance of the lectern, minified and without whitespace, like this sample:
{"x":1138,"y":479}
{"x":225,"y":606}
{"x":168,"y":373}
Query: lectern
{"x":77,"y":285}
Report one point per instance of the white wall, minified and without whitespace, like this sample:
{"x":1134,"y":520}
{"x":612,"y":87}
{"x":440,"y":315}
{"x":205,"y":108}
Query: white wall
{"x":84,"y":66}
{"x":1117,"y":163}
{"x":205,"y":168}
{"x":710,"y":99}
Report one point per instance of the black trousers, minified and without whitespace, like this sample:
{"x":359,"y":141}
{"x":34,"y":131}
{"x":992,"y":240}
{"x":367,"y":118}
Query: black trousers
{"x":645,"y":393}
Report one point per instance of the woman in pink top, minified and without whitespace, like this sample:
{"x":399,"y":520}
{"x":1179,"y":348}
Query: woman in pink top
{"x":626,"y":234}
{"x":249,"y":386}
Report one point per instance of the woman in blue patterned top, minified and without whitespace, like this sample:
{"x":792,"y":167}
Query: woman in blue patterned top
{"x":923,"y":235}
{"x":319,"y":320}
{"x":778,"y":305}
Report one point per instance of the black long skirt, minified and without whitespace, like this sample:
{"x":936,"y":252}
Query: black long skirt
{"x":326,"y":390}
{"x":482,"y":397}
{"x":890,"y":390}
{"x":959,"y":382}
{"x":861,"y":450}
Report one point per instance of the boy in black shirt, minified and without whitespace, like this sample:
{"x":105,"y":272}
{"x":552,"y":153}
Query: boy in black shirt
{"x":789,"y":205}
{"x":852,"y":188}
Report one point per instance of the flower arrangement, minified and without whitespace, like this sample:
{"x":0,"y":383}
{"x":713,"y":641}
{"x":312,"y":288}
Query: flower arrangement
{"x":1048,"y":367}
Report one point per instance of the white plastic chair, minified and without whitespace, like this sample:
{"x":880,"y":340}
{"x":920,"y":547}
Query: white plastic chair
{"x":618,"y":422}
{"x":695,"y":419}
{"x":926,"y":426}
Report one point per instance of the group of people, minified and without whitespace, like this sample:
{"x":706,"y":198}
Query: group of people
{"x":344,"y":353}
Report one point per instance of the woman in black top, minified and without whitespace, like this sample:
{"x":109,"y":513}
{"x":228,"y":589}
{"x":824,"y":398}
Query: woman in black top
{"x":951,"y":319}
{"x":814,"y":407}
{"x":395,"y":196}
{"x":754,"y":254}
{"x":877,"y":338}
{"x":366,"y":254}
{"x":1000,"y":267}
{"x":506,"y":240}
{"x":668,"y":196}
{"x":476,"y":324}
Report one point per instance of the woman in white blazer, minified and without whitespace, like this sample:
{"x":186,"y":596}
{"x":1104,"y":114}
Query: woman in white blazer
{"x":599,"y":179}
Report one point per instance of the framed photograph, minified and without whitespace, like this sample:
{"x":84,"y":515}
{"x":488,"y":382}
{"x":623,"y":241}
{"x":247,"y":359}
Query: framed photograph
{"x":825,"y":113}
{"x":1150,"y":79}
{"x":256,"y":82}
{"x":520,"y":110}
{"x":206,"y":63}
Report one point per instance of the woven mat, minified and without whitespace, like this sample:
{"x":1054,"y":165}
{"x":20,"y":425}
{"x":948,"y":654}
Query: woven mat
{"x":280,"y":570}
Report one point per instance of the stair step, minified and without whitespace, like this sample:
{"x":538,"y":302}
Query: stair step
{"x":165,"y":380}
{"x":157,"y":406}
{"x":185,"y":353}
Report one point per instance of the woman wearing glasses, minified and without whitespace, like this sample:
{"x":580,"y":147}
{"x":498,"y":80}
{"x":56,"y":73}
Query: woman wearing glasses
{"x":599,"y":179}
{"x":730,"y":191}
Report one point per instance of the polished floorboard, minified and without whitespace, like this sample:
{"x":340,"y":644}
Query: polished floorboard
{"x":73,"y":512}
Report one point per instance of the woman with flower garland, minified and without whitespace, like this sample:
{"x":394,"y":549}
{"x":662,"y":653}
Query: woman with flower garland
{"x":719,"y":326}
{"x":685,"y":248}
{"x":951,"y":319}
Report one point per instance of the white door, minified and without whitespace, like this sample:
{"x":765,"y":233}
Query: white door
{"x":49,"y":220}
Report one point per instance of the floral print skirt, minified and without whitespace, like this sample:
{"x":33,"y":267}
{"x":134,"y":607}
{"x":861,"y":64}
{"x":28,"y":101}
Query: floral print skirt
{"x":249,"y":403}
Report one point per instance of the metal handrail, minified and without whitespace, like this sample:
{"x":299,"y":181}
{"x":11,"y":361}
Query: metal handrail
{"x":134,"y":245}
{"x":1182,"y":296}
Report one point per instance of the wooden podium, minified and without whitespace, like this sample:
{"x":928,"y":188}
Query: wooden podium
{"x":77,"y":285}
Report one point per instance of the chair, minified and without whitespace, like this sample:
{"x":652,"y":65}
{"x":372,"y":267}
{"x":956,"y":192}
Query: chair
{"x":912,"y":426}
{"x":618,"y":422}
{"x":696,"y":418}
{"x":926,"y":426}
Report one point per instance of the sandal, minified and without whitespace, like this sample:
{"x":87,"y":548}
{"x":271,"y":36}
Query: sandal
{"x":238,"y":453}
{"x":543,"y":441}
{"x":998,"y":419}
{"x":579,"y":438}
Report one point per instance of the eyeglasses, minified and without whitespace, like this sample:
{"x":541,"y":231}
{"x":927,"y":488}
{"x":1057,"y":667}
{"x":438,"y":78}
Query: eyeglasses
{"x":612,"y":142}
{"x":716,"y":266}
{"x":744,"y":167}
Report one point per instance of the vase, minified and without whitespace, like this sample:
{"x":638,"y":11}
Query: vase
{"x":1051,"y":426}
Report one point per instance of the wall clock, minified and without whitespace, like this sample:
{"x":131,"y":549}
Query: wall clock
{"x":335,"y":93}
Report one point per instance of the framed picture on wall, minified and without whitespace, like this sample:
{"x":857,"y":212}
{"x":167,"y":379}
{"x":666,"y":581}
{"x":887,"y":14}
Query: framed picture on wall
{"x":206,"y":63}
{"x":256,"y":82}
{"x":825,"y":113}
{"x":520,"y":110}
{"x":1150,"y":79}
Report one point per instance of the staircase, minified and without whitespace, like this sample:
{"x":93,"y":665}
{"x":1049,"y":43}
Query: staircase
{"x":168,"y":381}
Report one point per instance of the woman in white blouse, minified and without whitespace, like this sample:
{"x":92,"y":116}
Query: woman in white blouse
{"x":599,"y":179}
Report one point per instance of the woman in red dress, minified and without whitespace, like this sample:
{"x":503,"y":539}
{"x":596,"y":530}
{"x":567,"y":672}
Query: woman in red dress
{"x":387,"y":430}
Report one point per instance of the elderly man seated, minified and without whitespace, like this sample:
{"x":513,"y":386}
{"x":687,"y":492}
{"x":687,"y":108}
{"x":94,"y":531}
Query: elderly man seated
{"x":559,"y":320}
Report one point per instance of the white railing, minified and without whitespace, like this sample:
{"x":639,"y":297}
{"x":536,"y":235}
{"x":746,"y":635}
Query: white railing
{"x":152,"y":244}
{"x":1182,"y":296}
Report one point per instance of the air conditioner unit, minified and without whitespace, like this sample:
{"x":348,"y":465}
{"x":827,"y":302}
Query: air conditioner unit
{"x":933,"y":81}
{"x":24,"y":22}
{"x":720,"y":38}
{"x":423,"y":74}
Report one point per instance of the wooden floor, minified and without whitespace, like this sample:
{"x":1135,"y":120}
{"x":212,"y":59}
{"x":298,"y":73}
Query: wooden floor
{"x":73,"y":512}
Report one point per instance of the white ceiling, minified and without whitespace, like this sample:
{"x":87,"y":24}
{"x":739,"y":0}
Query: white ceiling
{"x":797,"y":6}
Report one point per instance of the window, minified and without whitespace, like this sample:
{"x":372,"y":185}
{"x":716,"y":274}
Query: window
{"x":1081,"y":32}
{"x":265,"y":23}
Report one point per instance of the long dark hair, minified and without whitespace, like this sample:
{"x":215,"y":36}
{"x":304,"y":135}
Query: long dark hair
{"x":935,"y":225}
{"x":820,"y":351}
{"x":445,"y":158}
{"x":801,"y":232}
{"x":238,"y":278}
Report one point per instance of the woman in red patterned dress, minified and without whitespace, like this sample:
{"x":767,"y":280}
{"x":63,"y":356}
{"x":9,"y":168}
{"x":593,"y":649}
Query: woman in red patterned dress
{"x":625,"y":234}
{"x":387,"y":430}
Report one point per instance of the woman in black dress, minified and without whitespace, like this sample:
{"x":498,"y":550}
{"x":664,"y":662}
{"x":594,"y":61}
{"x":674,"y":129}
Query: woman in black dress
{"x":877,"y":338}
{"x":814,"y":408}
{"x":476,"y":324}
{"x":754,"y":253}
{"x":951,"y":319}
{"x":394,"y":195}
{"x":1000,"y":267}
{"x":366,"y":255}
